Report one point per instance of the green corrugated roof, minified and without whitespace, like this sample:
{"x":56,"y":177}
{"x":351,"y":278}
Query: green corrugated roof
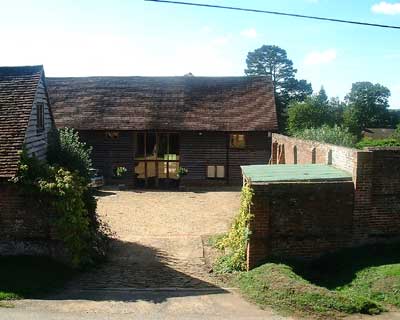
{"x":293,"y":173}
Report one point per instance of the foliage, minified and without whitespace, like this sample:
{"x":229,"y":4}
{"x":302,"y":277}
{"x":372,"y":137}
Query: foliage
{"x":368,"y":142}
{"x":235,"y":242}
{"x":120,"y":171}
{"x":66,"y":150}
{"x":182,"y":172}
{"x":396,"y":134}
{"x":278,"y":286}
{"x":29,"y":276}
{"x":65,"y":196}
{"x":334,"y":135}
{"x":367,"y":106}
{"x":312,"y":113}
{"x":272,"y":61}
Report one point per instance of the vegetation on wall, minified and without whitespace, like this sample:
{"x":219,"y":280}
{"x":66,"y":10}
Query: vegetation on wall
{"x":234,"y":243}
{"x":62,"y":192}
{"x":334,"y":135}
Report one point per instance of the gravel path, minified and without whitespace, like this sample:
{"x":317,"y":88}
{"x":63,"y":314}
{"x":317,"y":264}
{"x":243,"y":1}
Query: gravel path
{"x":159,"y":238}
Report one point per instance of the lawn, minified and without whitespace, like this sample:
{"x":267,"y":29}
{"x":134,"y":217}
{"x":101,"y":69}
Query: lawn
{"x":363,"y":280}
{"x":30,"y":277}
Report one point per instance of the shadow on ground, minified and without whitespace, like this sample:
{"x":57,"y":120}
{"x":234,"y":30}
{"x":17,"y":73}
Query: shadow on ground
{"x":339,"y":269}
{"x":132,"y":272}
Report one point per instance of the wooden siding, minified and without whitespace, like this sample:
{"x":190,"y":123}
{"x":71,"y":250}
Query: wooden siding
{"x":212,"y":148}
{"x":197,"y":151}
{"x":110,"y":153}
{"x":36,"y":141}
{"x":257,"y":151}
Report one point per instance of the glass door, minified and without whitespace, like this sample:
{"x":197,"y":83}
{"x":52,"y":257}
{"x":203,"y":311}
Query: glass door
{"x":156,"y":159}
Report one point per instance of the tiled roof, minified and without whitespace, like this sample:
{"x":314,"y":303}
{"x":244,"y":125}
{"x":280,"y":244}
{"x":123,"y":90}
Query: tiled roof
{"x":164,"y":103}
{"x":17,"y":92}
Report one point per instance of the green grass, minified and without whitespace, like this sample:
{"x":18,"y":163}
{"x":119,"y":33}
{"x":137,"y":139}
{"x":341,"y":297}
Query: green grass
{"x":364,"y":280}
{"x":29,"y":277}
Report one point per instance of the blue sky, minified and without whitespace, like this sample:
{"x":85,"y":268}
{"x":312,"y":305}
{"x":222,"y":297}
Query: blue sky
{"x":134,"y":37}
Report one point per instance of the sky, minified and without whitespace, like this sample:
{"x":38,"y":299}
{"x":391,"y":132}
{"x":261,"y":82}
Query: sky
{"x":135,"y":37}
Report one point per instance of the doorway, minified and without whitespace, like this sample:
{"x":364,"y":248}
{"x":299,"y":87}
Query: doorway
{"x":156,"y":159}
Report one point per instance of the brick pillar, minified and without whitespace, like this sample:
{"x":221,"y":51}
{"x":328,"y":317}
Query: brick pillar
{"x":363,"y":182}
{"x":257,"y":247}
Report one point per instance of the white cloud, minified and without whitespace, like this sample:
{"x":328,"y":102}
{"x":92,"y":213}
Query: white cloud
{"x":249,"y":33}
{"x":320,"y":57}
{"x":386,"y":8}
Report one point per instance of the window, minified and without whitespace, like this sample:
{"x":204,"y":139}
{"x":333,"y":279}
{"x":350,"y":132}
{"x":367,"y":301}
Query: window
{"x":215,"y":172}
{"x":40,"y":116}
{"x":112,"y":135}
{"x":237,"y":141}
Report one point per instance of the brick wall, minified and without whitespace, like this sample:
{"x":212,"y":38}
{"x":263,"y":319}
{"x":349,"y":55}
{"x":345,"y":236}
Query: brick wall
{"x":295,"y":220}
{"x":375,"y":208}
{"x":24,"y":229}
{"x":307,"y":151}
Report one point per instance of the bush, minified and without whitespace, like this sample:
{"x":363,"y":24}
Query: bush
{"x":235,"y":242}
{"x":334,"y":135}
{"x":368,"y":142}
{"x":66,"y":150}
{"x":71,"y":208}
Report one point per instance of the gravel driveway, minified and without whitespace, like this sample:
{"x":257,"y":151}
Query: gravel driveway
{"x":159,"y":238}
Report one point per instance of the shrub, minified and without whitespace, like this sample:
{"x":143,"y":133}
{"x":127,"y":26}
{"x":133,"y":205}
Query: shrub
{"x":235,"y":242}
{"x":368,"y":142}
{"x":70,"y":206}
{"x":333,"y":135}
{"x":66,"y":150}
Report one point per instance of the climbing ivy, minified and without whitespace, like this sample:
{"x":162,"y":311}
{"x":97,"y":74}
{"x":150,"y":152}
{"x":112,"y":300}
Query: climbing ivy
{"x":234,"y":243}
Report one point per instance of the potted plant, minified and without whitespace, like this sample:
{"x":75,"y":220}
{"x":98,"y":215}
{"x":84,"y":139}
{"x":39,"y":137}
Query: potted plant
{"x":181,"y":173}
{"x":120,"y":173}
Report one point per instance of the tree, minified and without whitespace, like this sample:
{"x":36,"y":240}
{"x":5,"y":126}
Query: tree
{"x":272,"y":61}
{"x":314,"y":112}
{"x":367,"y":106}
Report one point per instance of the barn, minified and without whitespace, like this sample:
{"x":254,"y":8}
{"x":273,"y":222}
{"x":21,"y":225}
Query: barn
{"x":153,"y":126}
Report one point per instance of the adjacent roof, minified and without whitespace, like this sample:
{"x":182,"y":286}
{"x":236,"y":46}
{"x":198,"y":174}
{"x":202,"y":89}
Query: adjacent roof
{"x":378,"y":133}
{"x":260,"y":174}
{"x":17,"y":92}
{"x":164,"y":103}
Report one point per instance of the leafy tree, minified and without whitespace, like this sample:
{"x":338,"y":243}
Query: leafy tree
{"x":272,"y":61}
{"x":367,"y":106}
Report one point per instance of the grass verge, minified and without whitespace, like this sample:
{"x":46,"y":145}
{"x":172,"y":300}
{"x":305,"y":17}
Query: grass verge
{"x":30,"y":277}
{"x":363,"y":280}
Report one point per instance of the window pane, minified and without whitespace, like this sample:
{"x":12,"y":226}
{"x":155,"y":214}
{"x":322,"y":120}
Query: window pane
{"x":139,"y":170}
{"x":162,"y":169}
{"x":139,"y":146}
{"x":173,"y":170}
{"x":210,"y":171}
{"x":151,"y":169}
{"x":162,"y":146}
{"x":174,"y":144}
{"x":151,"y":146}
{"x":237,"y":141}
{"x":220,"y":172}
